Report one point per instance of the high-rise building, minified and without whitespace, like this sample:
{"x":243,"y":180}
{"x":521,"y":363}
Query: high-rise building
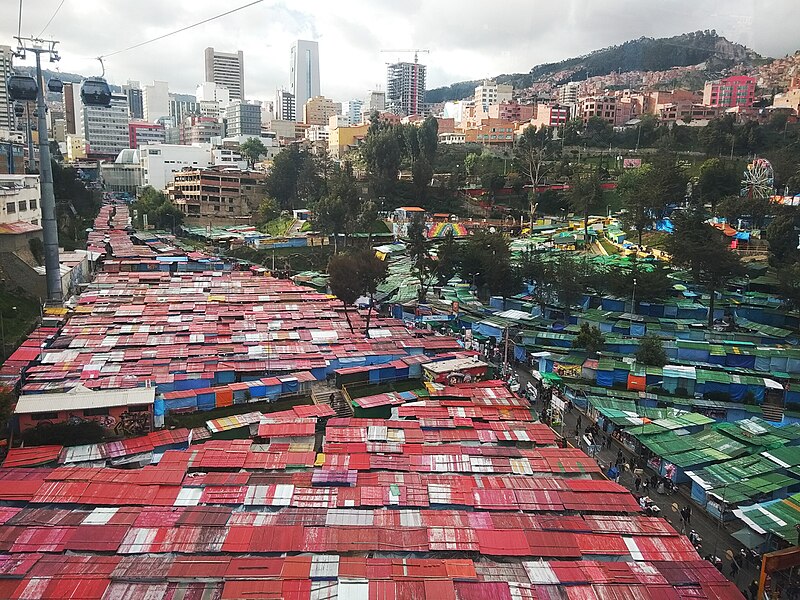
{"x":352,"y":110}
{"x":568,"y":93}
{"x":105,"y":128}
{"x":376,"y":100}
{"x":135,"y":99}
{"x":317,"y":110}
{"x":6,"y":105}
{"x":285,"y":107}
{"x":179,"y":108}
{"x":491,"y":92}
{"x":405,"y":88}
{"x":226,"y":69}
{"x":304,"y":73}
{"x":156,"y":101}
{"x":243,"y":119}
{"x":71,"y":103}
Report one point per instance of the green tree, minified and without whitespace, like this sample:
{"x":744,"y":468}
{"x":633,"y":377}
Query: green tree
{"x":789,"y":278}
{"x":598,"y":132}
{"x":293,"y":179}
{"x":338,"y":212}
{"x":422,"y":264}
{"x":639,"y":198}
{"x":160,"y":212}
{"x":652,"y":281}
{"x":718,"y":178}
{"x":539,"y":270}
{"x":372,"y":272}
{"x":651,"y":351}
{"x":486,"y":258}
{"x":782,"y":237}
{"x":590,"y":338}
{"x":344,"y":282}
{"x":717,"y":137}
{"x":252,"y":149}
{"x":702,"y":249}
{"x":584,"y":194}
{"x":570,"y":275}
{"x":267,"y":211}
{"x":382,"y":154}
{"x":446,"y":259}
{"x":535,"y":153}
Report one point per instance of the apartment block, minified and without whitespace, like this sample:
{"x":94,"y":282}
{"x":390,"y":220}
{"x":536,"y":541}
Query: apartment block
{"x":217,"y":192}
{"x":738,"y":90}
{"x":319,"y":109}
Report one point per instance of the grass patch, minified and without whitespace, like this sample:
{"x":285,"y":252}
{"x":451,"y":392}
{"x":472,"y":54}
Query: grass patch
{"x":608,"y":246}
{"x":655,"y":239}
{"x":277,"y":227}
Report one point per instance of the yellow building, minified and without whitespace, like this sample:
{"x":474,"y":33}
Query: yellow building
{"x":76,"y":148}
{"x":317,"y":110}
{"x":343,"y":138}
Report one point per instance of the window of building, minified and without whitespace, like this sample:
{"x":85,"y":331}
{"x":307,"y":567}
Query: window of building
{"x":141,"y":408}
{"x":11,"y":208}
{"x":95,"y":412}
{"x":22,"y":205}
{"x":45,"y":416}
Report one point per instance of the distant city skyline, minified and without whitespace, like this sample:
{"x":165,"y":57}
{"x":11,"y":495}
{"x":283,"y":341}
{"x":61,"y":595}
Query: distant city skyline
{"x":472,"y":43}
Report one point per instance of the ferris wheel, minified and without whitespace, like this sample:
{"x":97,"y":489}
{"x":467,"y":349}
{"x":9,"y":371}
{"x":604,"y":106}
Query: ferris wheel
{"x":758,"y":179}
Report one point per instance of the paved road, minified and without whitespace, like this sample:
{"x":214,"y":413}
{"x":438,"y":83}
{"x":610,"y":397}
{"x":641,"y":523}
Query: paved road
{"x":717,"y":540}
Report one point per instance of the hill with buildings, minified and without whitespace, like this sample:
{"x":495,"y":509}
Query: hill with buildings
{"x":706,"y":48}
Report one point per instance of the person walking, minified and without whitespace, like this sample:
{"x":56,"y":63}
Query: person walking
{"x":637,"y":483}
{"x":685,"y":517}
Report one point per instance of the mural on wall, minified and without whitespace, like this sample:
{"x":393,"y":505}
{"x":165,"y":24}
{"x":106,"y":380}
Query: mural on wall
{"x":133,"y":423}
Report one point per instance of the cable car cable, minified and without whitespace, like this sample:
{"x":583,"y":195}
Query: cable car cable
{"x":161,"y":37}
{"x":58,"y":8}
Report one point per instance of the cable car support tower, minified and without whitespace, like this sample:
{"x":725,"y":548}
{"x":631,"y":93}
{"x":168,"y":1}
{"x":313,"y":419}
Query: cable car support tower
{"x":49,"y":223}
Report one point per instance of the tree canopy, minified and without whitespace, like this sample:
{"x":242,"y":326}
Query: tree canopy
{"x":161,"y":213}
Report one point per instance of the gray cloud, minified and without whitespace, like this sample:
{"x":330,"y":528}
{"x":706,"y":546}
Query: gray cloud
{"x":471,"y":40}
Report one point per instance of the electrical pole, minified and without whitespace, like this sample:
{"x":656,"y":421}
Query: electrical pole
{"x":49,"y":223}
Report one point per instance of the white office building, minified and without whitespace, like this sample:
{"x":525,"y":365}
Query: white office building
{"x":160,"y":162}
{"x":155,"y":101}
{"x":304,"y":73}
{"x":105,"y":128}
{"x":226,"y":69}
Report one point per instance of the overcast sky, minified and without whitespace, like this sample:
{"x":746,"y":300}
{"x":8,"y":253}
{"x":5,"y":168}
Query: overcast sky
{"x":470,"y":39}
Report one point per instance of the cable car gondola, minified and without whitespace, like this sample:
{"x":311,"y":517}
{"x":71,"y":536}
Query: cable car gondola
{"x":95,"y":92}
{"x":55,"y":85}
{"x":21,"y":87}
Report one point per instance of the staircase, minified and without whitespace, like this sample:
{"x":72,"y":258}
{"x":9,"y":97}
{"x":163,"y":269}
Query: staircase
{"x":325,"y":394}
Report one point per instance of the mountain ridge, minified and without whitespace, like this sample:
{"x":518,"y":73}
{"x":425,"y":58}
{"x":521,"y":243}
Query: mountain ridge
{"x":642,"y":54}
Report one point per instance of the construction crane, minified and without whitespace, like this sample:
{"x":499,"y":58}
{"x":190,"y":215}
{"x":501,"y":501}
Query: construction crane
{"x":414,"y":87}
{"x":416,"y":52}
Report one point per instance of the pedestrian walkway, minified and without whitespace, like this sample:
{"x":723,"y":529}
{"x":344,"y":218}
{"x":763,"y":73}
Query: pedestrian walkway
{"x":716,"y":538}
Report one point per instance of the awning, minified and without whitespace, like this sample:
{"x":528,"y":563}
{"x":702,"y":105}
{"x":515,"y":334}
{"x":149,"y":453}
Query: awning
{"x":749,"y":538}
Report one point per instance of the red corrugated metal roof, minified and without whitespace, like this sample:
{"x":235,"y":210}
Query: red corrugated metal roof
{"x":31,"y":456}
